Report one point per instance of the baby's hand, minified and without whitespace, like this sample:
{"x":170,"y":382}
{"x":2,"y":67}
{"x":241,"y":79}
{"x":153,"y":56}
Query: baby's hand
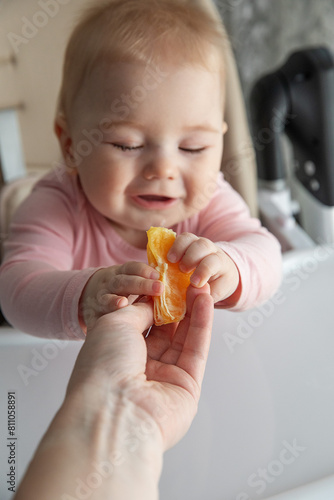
{"x":210,"y":264}
{"x":115,"y":287}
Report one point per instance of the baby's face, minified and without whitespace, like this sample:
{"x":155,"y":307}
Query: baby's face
{"x":154,"y":138}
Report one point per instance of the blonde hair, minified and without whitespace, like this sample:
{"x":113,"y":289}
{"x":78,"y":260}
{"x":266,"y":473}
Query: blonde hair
{"x":148,"y":31}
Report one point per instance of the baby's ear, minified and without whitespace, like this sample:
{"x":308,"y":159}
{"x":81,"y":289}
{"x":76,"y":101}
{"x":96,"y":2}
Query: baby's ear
{"x":65,"y":140}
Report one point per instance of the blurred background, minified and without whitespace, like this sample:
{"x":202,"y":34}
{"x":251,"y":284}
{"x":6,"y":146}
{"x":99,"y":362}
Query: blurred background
{"x":264,"y":32}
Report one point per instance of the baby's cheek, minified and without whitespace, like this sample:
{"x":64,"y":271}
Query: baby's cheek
{"x":201,"y":195}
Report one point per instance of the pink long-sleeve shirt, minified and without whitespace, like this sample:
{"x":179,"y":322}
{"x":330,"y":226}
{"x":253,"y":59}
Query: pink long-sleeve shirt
{"x":58,"y":240}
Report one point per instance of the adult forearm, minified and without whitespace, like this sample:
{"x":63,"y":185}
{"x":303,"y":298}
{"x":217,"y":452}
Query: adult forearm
{"x":96,"y":449}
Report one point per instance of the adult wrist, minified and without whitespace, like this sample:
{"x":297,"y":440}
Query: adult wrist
{"x":123,"y":443}
{"x":113,"y":447}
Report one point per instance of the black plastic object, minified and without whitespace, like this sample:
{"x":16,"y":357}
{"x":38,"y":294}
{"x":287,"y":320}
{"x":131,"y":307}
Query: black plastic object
{"x":298,"y":100}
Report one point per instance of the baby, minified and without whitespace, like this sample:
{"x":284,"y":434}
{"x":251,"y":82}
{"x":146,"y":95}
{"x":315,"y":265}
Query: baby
{"x":140,"y":124}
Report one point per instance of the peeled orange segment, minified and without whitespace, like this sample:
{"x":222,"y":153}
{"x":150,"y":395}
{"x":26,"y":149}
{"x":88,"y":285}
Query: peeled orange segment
{"x":171,"y":306}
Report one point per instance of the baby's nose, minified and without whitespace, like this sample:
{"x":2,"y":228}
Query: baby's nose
{"x":160,"y":165}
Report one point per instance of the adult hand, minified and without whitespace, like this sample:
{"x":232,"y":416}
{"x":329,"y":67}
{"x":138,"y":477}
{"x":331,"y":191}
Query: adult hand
{"x":161,"y":374}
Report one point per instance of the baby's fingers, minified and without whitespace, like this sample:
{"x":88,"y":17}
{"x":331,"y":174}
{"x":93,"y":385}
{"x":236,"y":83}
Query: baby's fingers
{"x":122,"y":284}
{"x":208,"y":269}
{"x":220,"y":272}
{"x":132,"y":278}
{"x":180,"y":246}
{"x":137,"y":269}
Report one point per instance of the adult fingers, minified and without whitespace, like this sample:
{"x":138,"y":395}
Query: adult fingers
{"x":196,"y":344}
{"x":177,"y":341}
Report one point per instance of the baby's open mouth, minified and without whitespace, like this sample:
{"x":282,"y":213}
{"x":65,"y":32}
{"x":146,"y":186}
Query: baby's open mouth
{"x":154,"y":201}
{"x":153,"y":197}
